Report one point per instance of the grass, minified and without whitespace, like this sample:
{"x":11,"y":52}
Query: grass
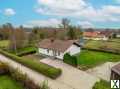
{"x":42,"y":68}
{"x":6,"y":82}
{"x":4,"y":43}
{"x":88,"y":59}
{"x":102,"y":85}
{"x":112,"y":45}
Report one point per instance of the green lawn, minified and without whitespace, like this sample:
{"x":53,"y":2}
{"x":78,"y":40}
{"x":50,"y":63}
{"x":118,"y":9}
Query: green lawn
{"x":4,"y":43}
{"x":88,"y":59}
{"x":6,"y":82}
{"x":112,"y":45}
{"x":102,"y":85}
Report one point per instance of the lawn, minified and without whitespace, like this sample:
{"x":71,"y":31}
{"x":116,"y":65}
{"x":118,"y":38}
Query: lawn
{"x":111,"y":45}
{"x":4,"y":43}
{"x":102,"y":85}
{"x":6,"y":82}
{"x":88,"y":59}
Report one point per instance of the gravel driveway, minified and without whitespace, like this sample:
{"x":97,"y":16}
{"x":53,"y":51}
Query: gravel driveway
{"x":103,"y":71}
{"x":72,"y":76}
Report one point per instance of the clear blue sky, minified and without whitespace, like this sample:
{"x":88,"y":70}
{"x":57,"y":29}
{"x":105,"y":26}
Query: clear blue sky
{"x":87,"y":13}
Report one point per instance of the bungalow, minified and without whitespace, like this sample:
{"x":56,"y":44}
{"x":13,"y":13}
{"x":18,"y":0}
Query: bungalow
{"x":97,"y":35}
{"x":115,"y":72}
{"x":57,"y":48}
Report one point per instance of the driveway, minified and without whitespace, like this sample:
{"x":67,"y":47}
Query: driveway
{"x":103,"y":71}
{"x":71,"y":76}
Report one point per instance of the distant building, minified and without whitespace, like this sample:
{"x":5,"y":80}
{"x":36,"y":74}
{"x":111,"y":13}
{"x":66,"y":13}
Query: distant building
{"x":57,"y":48}
{"x":97,"y":35}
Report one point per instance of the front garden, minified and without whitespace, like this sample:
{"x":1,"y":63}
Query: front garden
{"x":42,"y":68}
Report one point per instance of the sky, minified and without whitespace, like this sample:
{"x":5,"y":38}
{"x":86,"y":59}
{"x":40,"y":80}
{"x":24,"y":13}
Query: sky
{"x":86,"y":13}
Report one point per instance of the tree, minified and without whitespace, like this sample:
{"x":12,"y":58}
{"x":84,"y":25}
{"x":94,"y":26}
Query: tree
{"x":65,"y":23}
{"x":17,"y":39}
{"x":71,"y":33}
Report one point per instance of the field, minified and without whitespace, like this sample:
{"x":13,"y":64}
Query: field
{"x":111,"y":45}
{"x":88,"y":59}
{"x":6,"y":82}
{"x":4,"y":43}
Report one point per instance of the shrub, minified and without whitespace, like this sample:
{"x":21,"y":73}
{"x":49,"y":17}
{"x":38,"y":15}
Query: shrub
{"x":42,"y":68}
{"x":72,"y":60}
{"x":102,"y":85}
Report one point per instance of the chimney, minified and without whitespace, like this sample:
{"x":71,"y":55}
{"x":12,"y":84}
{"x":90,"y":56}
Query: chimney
{"x":52,"y":40}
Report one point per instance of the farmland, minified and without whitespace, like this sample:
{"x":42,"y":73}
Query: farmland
{"x":111,"y":45}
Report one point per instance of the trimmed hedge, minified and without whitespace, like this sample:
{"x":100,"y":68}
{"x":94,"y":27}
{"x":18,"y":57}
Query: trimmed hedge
{"x":26,"y":52}
{"x":103,"y":50}
{"x":72,"y":60}
{"x":42,"y":68}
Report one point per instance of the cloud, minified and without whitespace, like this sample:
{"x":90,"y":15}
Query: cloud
{"x":43,"y":23}
{"x":9,"y":12}
{"x":80,"y":9}
{"x":86,"y":24}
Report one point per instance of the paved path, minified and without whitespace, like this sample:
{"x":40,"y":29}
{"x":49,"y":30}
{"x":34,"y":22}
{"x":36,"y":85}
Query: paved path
{"x":103,"y":71}
{"x":74,"y":79}
{"x":72,"y":76}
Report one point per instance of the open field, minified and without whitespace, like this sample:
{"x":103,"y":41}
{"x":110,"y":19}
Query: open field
{"x":112,"y":45}
{"x":6,"y":82}
{"x":88,"y":59}
{"x":4,"y":43}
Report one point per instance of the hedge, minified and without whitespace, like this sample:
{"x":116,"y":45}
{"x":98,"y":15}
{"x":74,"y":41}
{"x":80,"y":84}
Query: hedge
{"x":25,"y":52}
{"x":72,"y":60}
{"x":103,"y":50}
{"x":42,"y":68}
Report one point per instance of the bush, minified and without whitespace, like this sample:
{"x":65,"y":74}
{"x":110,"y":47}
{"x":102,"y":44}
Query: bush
{"x":102,"y":85}
{"x":72,"y":60}
{"x":45,"y":69}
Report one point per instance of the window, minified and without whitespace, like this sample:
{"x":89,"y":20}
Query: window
{"x":48,"y":50}
{"x":58,"y":53}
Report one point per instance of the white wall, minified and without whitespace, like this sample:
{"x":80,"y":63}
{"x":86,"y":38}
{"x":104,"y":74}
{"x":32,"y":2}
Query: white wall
{"x":72,"y":50}
{"x":44,"y":51}
{"x":118,"y":35}
{"x":91,"y":38}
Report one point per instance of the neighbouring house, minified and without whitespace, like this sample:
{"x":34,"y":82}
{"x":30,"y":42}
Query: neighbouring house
{"x":97,"y":35}
{"x":57,"y":48}
{"x":118,"y":34}
{"x":115,"y":72}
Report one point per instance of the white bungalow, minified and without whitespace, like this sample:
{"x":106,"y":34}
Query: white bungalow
{"x":57,"y":48}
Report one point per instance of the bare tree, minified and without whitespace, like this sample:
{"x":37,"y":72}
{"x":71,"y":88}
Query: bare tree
{"x":65,"y":23}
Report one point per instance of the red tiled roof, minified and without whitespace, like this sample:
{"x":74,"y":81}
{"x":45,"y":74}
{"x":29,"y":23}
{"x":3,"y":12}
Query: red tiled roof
{"x":59,"y":45}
